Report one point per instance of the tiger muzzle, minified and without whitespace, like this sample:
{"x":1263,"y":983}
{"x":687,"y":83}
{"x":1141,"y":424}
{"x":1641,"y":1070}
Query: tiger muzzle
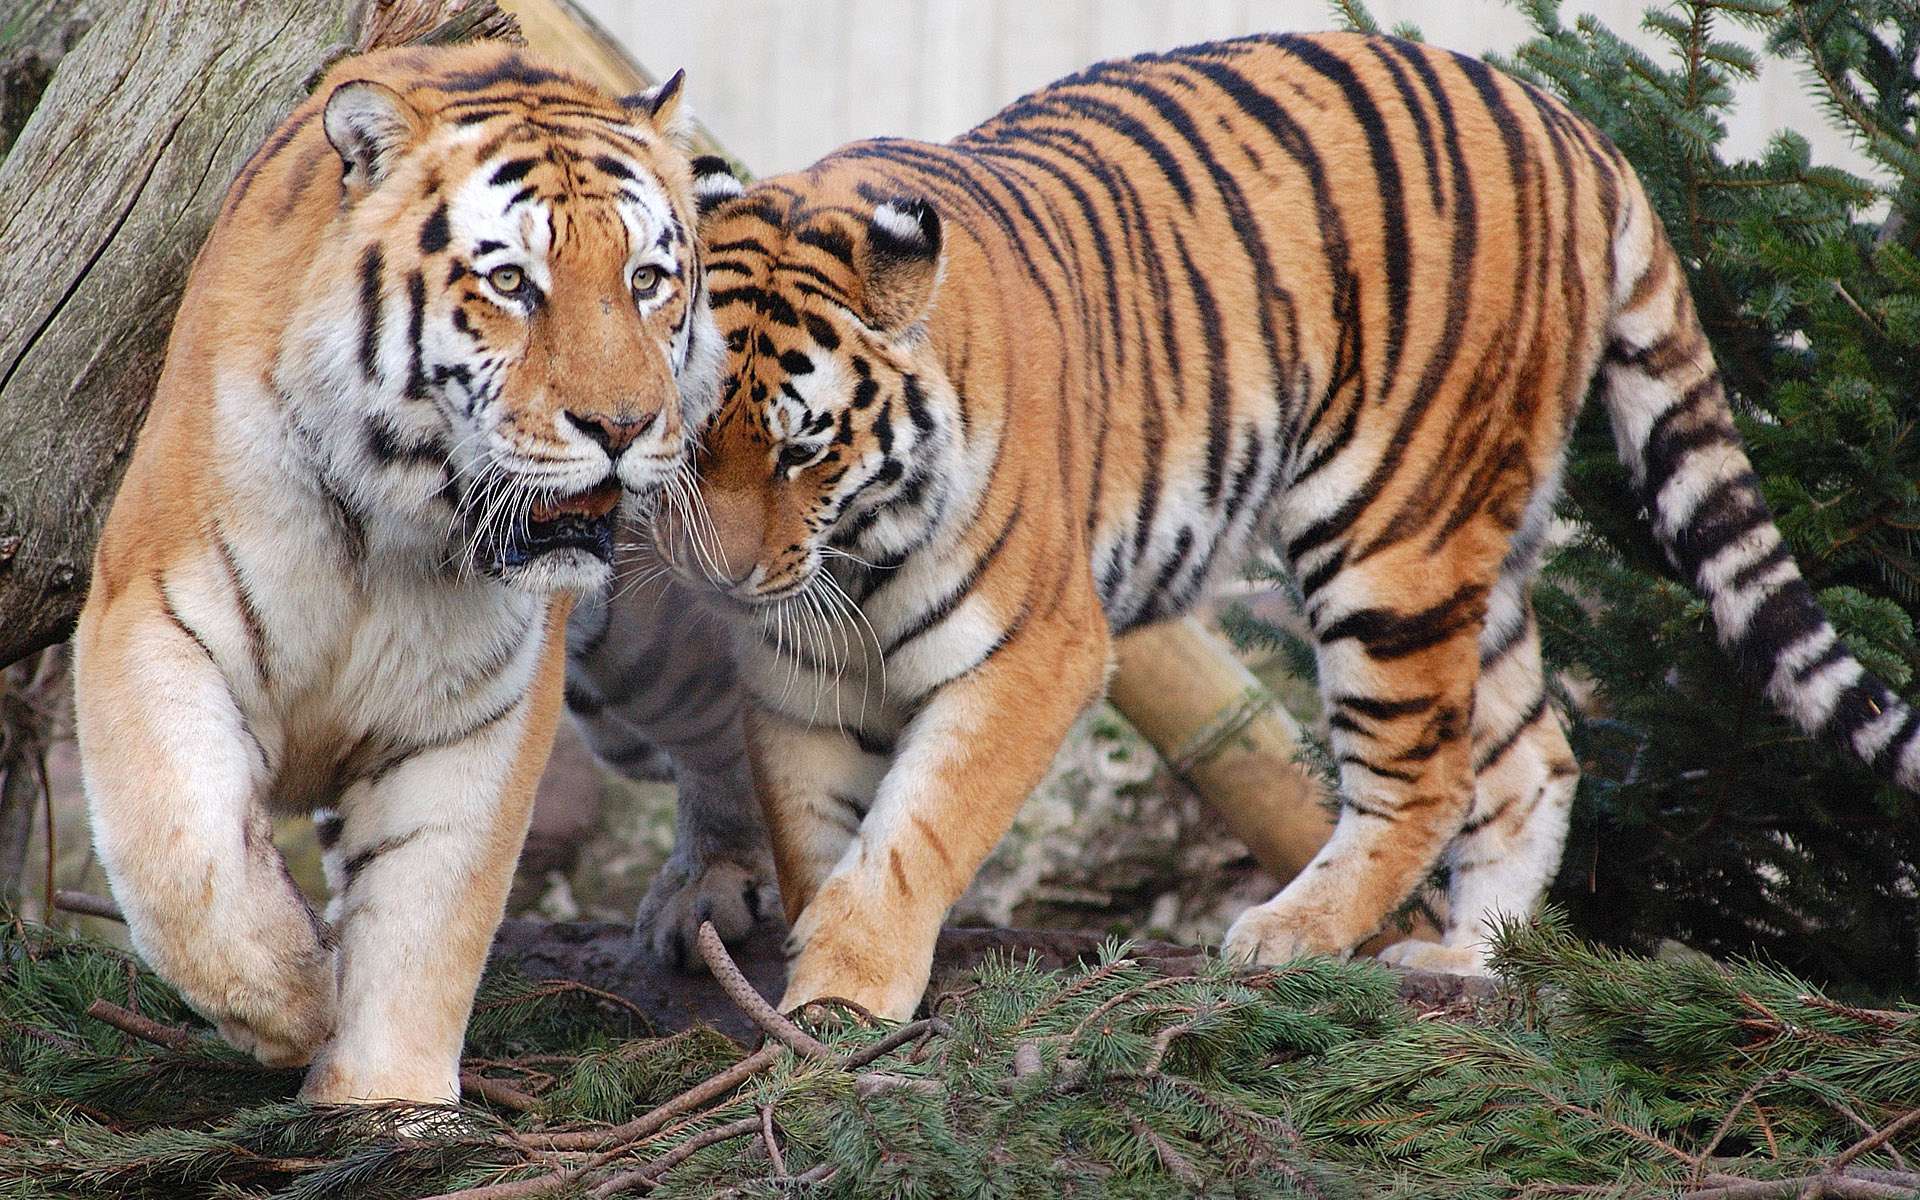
{"x":582,"y":521}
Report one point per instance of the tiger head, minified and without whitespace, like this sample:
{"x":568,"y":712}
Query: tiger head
{"x":834,"y":436}
{"x":507,"y":314}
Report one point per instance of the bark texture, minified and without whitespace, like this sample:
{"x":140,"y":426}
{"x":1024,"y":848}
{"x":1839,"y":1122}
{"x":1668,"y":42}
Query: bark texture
{"x":104,"y":200}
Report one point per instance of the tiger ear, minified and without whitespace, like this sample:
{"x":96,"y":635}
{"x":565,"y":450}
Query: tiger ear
{"x":370,"y":125}
{"x":714,"y":183}
{"x":900,"y":264}
{"x":660,"y":107}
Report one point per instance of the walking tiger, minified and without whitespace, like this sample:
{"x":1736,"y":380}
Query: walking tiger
{"x":450,"y":313}
{"x":990,"y":402}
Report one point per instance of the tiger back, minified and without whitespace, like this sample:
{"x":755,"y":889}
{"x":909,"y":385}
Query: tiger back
{"x":449,"y":322}
{"x":990,"y":402}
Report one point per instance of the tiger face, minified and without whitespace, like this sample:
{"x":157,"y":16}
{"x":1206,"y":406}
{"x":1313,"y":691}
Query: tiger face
{"x":833,"y":434}
{"x":510,"y":310}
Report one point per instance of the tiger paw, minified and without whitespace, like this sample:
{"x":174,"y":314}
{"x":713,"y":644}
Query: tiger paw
{"x":1275,"y":932}
{"x":849,"y":950}
{"x":284,"y":1024}
{"x":1442,"y":959}
{"x":734,"y":896}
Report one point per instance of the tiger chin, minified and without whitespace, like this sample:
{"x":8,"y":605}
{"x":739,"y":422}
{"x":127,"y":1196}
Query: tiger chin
{"x":450,"y":323}
{"x":991,"y":402}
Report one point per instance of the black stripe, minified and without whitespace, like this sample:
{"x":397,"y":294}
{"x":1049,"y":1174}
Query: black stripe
{"x":173,"y":614}
{"x":1376,"y":709}
{"x":943,"y":607}
{"x":399,"y":757}
{"x":434,"y":235}
{"x":250,"y":618}
{"x":512,"y":170}
{"x":1887,"y":760}
{"x":365,"y":858}
{"x":1666,"y":451}
{"x":1386,"y":169}
{"x":1731,"y":510}
{"x":1387,"y":634}
{"x":370,"y":270}
{"x":1498,"y":750}
{"x":416,"y":320}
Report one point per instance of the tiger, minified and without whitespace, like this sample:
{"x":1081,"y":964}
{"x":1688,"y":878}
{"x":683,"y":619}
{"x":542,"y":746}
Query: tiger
{"x":449,"y":323}
{"x":991,"y":402}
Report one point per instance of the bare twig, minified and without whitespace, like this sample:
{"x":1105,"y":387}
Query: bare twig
{"x":895,"y":1040}
{"x":873,"y":1083}
{"x":1835,"y":1187}
{"x":774,"y":1156}
{"x":518,"y":1189}
{"x":146,"y":1029}
{"x":497,"y":1091}
{"x":738,"y":989}
{"x":1726,"y":1122}
{"x":1868,"y":1144}
{"x":87,"y":904}
{"x":627,"y":1180}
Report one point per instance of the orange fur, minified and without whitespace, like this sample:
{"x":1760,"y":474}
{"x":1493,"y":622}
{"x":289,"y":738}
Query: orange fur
{"x":990,"y":401}
{"x":338,"y":571}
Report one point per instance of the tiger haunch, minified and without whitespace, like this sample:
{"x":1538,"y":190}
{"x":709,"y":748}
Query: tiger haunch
{"x":449,"y":320}
{"x":992,"y":401}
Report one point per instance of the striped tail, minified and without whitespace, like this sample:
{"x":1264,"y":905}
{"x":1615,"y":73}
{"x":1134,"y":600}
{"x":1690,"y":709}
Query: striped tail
{"x":1676,"y":435}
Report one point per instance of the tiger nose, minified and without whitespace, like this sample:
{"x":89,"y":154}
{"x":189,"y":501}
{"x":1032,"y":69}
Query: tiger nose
{"x":612,"y":434}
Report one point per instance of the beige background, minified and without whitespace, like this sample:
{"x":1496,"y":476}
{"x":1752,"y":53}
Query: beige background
{"x":781,"y":82}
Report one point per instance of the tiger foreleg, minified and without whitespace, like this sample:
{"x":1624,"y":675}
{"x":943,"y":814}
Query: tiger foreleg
{"x":816,"y":786}
{"x":426,"y":853}
{"x":721,"y":868}
{"x":173,"y":781}
{"x":964,"y":765}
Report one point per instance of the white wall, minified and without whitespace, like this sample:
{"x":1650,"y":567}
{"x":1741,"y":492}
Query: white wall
{"x":781,"y":82}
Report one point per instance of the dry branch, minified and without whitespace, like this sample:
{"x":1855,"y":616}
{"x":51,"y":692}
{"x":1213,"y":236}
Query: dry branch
{"x":144,"y":1028}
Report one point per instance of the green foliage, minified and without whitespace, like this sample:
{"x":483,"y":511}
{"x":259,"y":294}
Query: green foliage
{"x":1703,"y":815}
{"x":1311,"y":1079}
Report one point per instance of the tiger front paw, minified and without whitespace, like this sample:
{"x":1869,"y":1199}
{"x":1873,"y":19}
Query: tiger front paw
{"x":282,"y":1020}
{"x":849,"y":950}
{"x":735,"y":896}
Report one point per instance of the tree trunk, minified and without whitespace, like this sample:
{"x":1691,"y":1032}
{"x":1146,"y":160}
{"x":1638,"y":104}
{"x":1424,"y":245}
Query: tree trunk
{"x":104,"y":200}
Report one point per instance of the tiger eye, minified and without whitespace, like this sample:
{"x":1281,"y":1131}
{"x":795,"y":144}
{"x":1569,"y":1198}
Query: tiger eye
{"x":647,"y":280}
{"x":506,"y":280}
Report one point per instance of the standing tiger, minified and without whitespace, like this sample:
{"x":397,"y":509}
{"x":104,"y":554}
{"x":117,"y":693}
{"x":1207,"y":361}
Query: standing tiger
{"x":449,"y":313}
{"x":991,"y":402}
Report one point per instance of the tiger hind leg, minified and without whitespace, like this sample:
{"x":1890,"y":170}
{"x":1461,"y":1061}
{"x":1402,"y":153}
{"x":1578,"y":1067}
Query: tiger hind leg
{"x":1397,"y":636}
{"x":1524,"y":780}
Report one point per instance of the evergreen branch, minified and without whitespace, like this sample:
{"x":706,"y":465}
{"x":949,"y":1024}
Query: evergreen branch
{"x":695,"y":1097}
{"x":645,"y":1176}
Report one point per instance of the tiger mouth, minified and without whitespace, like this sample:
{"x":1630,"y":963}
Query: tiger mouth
{"x":581,"y":521}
